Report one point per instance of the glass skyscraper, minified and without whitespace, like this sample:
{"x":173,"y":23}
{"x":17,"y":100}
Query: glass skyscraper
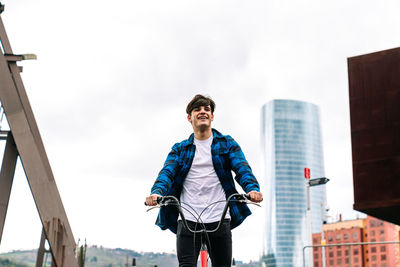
{"x":291,"y":137}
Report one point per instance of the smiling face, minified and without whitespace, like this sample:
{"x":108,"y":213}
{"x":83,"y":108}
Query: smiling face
{"x":201,"y":118}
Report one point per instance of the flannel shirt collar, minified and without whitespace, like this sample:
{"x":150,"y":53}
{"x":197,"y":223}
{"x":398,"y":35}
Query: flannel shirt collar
{"x":216,"y":134}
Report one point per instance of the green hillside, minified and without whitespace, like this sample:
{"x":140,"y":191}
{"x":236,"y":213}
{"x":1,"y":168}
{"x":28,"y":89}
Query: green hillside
{"x":98,"y":256}
{"x":105,"y":257}
{"x":25,"y":258}
{"x":8,"y":263}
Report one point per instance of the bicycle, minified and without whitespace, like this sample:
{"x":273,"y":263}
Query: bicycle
{"x":172,"y":200}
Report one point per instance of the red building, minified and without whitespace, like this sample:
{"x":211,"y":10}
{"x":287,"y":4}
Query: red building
{"x":381,"y":255}
{"x":369,"y":229}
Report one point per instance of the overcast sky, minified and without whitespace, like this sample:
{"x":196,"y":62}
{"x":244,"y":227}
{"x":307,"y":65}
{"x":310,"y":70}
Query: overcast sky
{"x":112,"y":80}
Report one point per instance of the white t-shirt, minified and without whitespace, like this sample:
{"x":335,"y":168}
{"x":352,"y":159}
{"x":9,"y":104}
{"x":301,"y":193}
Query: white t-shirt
{"x":202,"y":186}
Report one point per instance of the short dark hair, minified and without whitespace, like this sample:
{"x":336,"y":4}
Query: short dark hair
{"x":200,"y":101}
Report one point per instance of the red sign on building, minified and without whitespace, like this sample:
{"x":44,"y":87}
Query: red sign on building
{"x":307,"y":173}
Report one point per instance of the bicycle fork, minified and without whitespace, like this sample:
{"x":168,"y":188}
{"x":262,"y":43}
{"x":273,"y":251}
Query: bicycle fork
{"x":203,"y":255}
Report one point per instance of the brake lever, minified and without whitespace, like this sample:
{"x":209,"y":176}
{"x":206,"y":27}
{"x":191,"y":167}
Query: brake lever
{"x":154,"y":207}
{"x":248,"y":201}
{"x":160,"y":205}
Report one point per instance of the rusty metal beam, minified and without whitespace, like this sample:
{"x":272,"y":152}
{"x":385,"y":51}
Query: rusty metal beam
{"x":374,"y":94}
{"x":34,"y":159}
{"x":3,"y":135}
{"x":41,"y":250}
{"x":13,"y":58}
{"x":6,"y":178}
{"x":5,"y":45}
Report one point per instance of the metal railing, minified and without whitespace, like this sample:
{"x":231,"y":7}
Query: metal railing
{"x":345,"y":244}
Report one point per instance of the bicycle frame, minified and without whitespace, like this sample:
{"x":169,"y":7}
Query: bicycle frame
{"x":203,"y":255}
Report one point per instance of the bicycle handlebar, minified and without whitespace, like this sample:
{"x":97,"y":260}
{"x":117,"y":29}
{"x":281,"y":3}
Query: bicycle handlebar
{"x":171,"y":200}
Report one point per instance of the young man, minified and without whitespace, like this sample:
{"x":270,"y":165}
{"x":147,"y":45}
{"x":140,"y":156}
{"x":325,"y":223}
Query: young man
{"x":198,"y":171}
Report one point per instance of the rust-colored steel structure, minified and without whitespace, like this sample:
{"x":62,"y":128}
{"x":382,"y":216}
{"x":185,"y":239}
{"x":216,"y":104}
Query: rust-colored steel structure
{"x":374,"y":87}
{"x":24,"y":140}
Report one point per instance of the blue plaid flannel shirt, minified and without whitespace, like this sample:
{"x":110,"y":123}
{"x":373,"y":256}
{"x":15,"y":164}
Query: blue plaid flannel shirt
{"x":226,"y":156}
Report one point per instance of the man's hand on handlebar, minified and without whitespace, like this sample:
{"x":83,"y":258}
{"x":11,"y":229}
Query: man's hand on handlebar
{"x":255,"y":196}
{"x":152,"y":199}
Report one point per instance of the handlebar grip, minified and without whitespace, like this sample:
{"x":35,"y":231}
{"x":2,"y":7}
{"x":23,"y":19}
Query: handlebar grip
{"x":247,"y":196}
{"x":158,"y":201}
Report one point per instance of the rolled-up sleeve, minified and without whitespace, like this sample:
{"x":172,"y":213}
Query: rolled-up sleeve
{"x":244,"y":174}
{"x":166,"y":176}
